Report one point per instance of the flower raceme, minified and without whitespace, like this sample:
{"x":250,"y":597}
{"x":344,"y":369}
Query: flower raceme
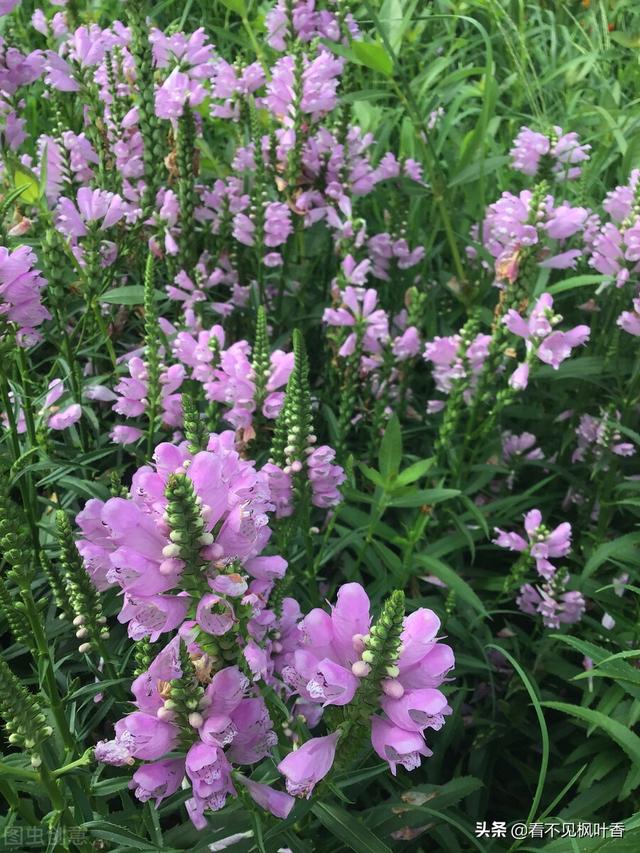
{"x":560,"y":152}
{"x":542,"y":543}
{"x":21,"y":286}
{"x":335,"y":654}
{"x":550,"y":346}
{"x":551,"y":600}
{"x":194,"y":723}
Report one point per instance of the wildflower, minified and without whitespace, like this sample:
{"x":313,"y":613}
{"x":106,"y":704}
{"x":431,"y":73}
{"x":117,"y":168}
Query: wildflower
{"x":551,"y":347}
{"x":306,"y":766}
{"x":543,"y":543}
{"x":20,"y":293}
{"x":629,"y":321}
{"x":563,"y":151}
{"x":358,"y":309}
{"x":90,"y":206}
{"x":332,"y":660}
{"x":553,"y":602}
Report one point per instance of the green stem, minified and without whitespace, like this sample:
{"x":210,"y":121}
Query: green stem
{"x":26,"y":401}
{"x":85,"y":759}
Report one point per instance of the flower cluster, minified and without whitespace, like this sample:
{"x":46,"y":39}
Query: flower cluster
{"x":336,"y":656}
{"x":560,"y":153}
{"x":552,"y":601}
{"x":21,"y":287}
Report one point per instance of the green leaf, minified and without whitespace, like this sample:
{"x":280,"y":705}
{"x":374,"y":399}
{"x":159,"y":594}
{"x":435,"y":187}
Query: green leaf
{"x":25,"y":179}
{"x":544,"y":732}
{"x":373,"y":475}
{"x":348,"y":829}
{"x":442,"y":796}
{"x":391,"y":22}
{"x":107,"y":831}
{"x":427,"y":497}
{"x":625,"y":39}
{"x":414,"y":472}
{"x":624,"y":548}
{"x":390,"y":454}
{"x":453,"y":580}
{"x":374,"y":56}
{"x":130,"y":295}
{"x":237,"y":6}
{"x":576,"y":281}
{"x":625,"y":738}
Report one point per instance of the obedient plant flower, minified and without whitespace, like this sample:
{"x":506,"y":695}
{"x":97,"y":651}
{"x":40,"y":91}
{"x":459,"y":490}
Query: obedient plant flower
{"x":542,"y":543}
{"x":551,"y":347}
{"x":455,"y":359}
{"x":560,"y":153}
{"x":358,"y":311}
{"x":396,"y":666}
{"x":553,"y":602}
{"x":596,"y":436}
{"x":306,"y":766}
{"x":211,"y":716}
{"x":57,"y":418}
{"x":616,"y":251}
{"x":517,"y":447}
{"x":21,"y":285}
{"x":131,"y":393}
{"x":516,"y":227}
{"x":629,"y":321}
{"x":91,"y":206}
{"x":168,"y":574}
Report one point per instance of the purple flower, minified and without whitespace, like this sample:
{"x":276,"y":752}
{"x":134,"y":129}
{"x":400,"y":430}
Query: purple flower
{"x":178,"y":90}
{"x":543,"y":543}
{"x":145,"y":736}
{"x":519,"y":447}
{"x":91,"y":206}
{"x":324,"y":664}
{"x":556,"y":606}
{"x":358,"y":311}
{"x":214,"y":615}
{"x":597,"y":435}
{"x":276,"y":802}
{"x":528,"y":148}
{"x":20,"y":292}
{"x":158,"y":780}
{"x":397,"y":746}
{"x":325,"y":477}
{"x":563,"y":149}
{"x":122,"y":434}
{"x":307,"y":765}
{"x":551,"y":347}
{"x":629,"y":321}
{"x":557,"y":347}
{"x":450,"y":363}
{"x":407,"y":345}
{"x":277,"y":224}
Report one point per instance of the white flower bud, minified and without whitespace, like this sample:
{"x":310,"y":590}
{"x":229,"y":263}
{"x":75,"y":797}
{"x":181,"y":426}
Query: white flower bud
{"x":171,"y":550}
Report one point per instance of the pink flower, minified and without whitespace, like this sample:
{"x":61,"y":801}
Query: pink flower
{"x":157,"y":780}
{"x":397,"y":746}
{"x":543,"y":543}
{"x":20,"y":292}
{"x":629,"y":321}
{"x":325,"y":477}
{"x":358,"y":310}
{"x":92,"y":206}
{"x":557,"y":347}
{"x":276,"y":802}
{"x":307,"y":765}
